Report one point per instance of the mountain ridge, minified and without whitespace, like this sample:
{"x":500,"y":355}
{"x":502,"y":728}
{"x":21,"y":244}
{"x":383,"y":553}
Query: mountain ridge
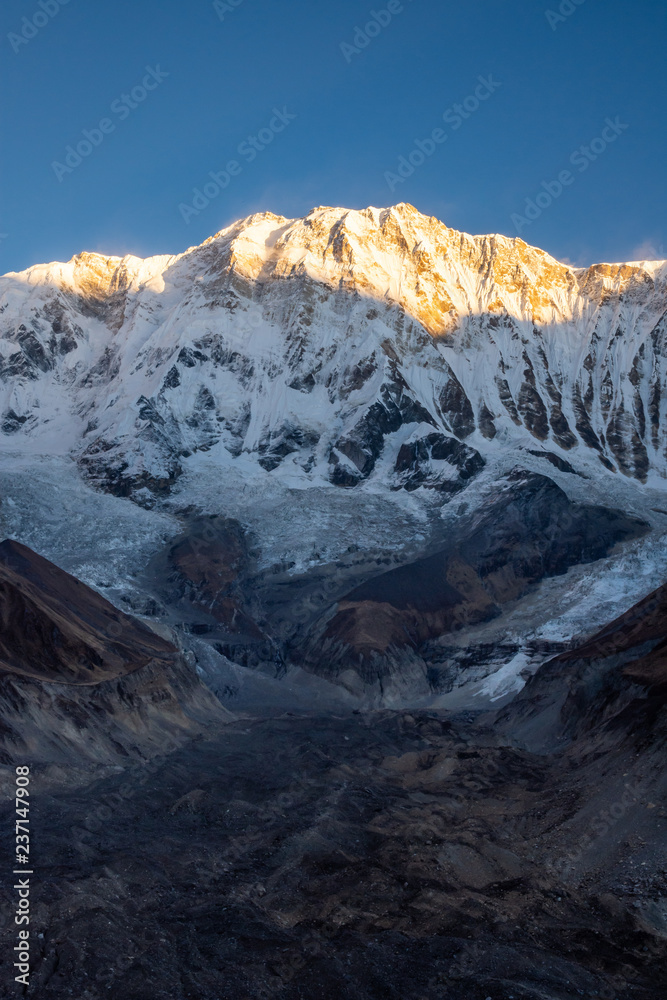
{"x":479,"y":300}
{"x":84,"y":255}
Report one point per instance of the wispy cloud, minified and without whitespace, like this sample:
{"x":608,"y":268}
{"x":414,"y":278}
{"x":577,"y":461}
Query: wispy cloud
{"x":650,"y":249}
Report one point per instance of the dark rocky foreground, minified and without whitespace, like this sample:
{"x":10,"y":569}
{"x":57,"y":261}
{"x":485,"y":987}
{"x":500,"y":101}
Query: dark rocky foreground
{"x":390,"y":855}
{"x":414,"y":856}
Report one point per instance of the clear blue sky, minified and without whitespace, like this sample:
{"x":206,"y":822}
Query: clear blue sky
{"x":356,"y":114}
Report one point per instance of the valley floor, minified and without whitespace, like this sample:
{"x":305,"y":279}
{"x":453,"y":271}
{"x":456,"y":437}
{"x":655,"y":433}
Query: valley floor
{"x":361,"y":857}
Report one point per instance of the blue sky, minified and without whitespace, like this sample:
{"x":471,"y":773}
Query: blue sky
{"x":558,"y":72}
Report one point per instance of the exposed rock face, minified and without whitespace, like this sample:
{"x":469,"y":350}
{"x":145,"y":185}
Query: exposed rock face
{"x":208,"y":562}
{"x":334,"y":856}
{"x":80,"y":680}
{"x":205,"y":582}
{"x":416,"y":459}
{"x":318,"y":346}
{"x":527,"y":530}
{"x":643,"y":625}
{"x":599,"y":711}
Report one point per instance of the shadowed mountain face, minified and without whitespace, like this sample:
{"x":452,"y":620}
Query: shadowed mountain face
{"x":643,"y":627}
{"x":358,"y":856}
{"x":56,"y":629}
{"x":80,"y":680}
{"x":375,"y":636}
{"x":617,"y":680}
{"x":203,"y":577}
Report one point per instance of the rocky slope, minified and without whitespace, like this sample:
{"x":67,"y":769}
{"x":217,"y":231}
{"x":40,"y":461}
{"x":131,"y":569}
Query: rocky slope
{"x":599,"y":711}
{"x":616,"y":680}
{"x":79,"y":680}
{"x":353,"y":855}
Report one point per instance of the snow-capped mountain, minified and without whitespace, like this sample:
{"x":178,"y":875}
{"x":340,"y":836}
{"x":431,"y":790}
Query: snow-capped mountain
{"x":319,"y":344}
{"x":360,"y":368}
